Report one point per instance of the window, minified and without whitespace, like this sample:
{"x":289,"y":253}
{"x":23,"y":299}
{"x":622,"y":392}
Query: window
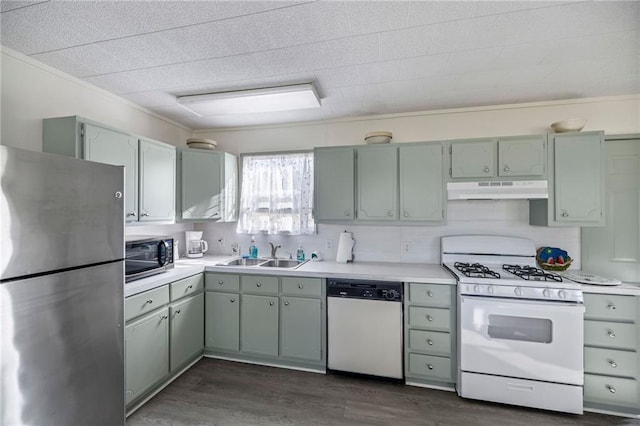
{"x":277,"y":194}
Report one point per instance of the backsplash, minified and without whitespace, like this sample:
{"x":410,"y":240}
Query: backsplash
{"x":406,"y":244}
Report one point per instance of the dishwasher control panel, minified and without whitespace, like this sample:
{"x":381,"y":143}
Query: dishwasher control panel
{"x":373,"y":290}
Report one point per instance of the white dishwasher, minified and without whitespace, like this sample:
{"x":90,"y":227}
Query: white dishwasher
{"x":364,"y":321}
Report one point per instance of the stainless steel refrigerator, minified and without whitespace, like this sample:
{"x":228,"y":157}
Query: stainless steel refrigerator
{"x":61,"y":290}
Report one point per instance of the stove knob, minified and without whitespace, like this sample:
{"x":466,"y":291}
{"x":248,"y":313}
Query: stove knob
{"x":562,"y":294}
{"x":477,"y":289}
{"x":391,"y":294}
{"x":546,"y":292}
{"x":491,"y":289}
{"x":518,"y":291}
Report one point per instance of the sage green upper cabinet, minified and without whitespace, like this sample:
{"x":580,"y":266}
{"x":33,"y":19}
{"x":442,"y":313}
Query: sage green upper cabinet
{"x":576,"y":176}
{"x":222,"y":326}
{"x":187,"y":330}
{"x":473,"y":159}
{"x":377,"y":183}
{"x":259,"y":325}
{"x":157,"y":181}
{"x":421,"y":182}
{"x":334,"y":184}
{"x":301,"y":328}
{"x":208,"y":186}
{"x":522,"y":156}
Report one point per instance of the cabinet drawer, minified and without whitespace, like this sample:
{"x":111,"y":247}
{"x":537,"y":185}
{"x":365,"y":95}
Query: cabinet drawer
{"x":259,"y":284}
{"x":610,"y":361}
{"x":435,"y":342}
{"x":611,"y":335}
{"x":302,"y":286}
{"x":430,"y":294}
{"x":186,"y":287}
{"x":432,"y":318}
{"x":610,"y":390}
{"x":142,"y":303}
{"x":610,"y":307}
{"x":222,"y":282}
{"x":435,"y":367}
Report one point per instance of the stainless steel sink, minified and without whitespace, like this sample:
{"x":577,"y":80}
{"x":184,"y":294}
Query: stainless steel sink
{"x":281,"y":263}
{"x":243,"y":262}
{"x":263,"y":263}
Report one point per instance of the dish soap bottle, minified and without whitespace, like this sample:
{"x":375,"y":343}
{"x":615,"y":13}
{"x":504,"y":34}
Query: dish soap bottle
{"x":253,"y":250}
{"x":300,"y":253}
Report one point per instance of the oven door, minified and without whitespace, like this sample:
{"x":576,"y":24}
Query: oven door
{"x":527,"y":339}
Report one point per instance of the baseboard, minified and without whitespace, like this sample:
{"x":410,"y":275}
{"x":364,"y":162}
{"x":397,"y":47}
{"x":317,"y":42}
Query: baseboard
{"x":267,"y":364}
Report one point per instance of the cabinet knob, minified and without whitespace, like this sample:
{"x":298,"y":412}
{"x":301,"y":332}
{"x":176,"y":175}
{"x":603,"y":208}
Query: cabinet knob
{"x":189,"y":286}
{"x":389,"y":213}
{"x":612,"y":363}
{"x":164,"y":317}
{"x":232,"y":300}
{"x":347,"y":213}
{"x":429,"y":293}
{"x":429,"y":318}
{"x":300,"y":286}
{"x":611,"y":334}
{"x":611,"y":307}
{"x":486,"y":169}
{"x":150,"y":301}
{"x":611,"y":389}
{"x":405,"y":214}
{"x":506,"y":168}
{"x":118,"y":194}
{"x":133,"y":213}
{"x":178,"y":311}
{"x":429,"y":342}
{"x":286,"y":303}
{"x":430,"y":367}
{"x":258,"y":284}
{"x":270,"y":303}
{"x":220,"y":282}
{"x":564,"y":214}
{"x":144,"y":214}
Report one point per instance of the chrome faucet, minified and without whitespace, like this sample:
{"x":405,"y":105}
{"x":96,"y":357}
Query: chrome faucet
{"x":273,"y":250}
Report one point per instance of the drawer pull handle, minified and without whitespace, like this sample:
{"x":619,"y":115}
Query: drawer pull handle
{"x":347,"y":213}
{"x":611,"y":334}
{"x":258,"y":284}
{"x":430,"y":367}
{"x":189,"y":286}
{"x":429,"y":342}
{"x":429,"y":318}
{"x":164,"y":317}
{"x":270,"y":303}
{"x":429,"y":293}
{"x":612,"y":307}
{"x":564,"y":214}
{"x":220,"y":282}
{"x":611,"y":389}
{"x":286,"y":303}
{"x":300,"y":286}
{"x":178,"y":311}
{"x":612,"y":363}
{"x":145,"y":214}
{"x":232,"y":300}
{"x":150,"y":301}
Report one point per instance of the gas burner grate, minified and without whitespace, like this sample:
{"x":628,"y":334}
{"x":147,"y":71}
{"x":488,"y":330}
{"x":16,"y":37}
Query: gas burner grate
{"x":475,"y":270}
{"x":531,"y":273}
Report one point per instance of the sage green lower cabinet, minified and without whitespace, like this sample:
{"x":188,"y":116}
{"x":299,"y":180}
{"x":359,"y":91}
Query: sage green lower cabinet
{"x":612,"y":354}
{"x":187,"y":330}
{"x":146,"y":355}
{"x":222,"y":328}
{"x":301,"y":328}
{"x":430,"y":335}
{"x":266,"y":319}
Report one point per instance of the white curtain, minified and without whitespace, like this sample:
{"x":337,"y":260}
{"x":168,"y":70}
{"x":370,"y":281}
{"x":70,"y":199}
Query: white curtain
{"x":277,"y":194}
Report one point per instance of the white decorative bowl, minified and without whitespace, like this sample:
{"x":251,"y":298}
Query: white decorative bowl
{"x":571,"y":125}
{"x":202,"y":143}
{"x":378,"y":137}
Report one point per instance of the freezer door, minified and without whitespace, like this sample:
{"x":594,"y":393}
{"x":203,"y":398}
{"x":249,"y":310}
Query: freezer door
{"x":62,"y":348}
{"x":58,"y":212}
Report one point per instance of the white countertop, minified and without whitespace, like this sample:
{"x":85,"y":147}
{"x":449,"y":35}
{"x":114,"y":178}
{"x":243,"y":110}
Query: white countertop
{"x":383,"y":271}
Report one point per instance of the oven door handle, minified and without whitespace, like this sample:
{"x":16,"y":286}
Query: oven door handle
{"x":530,"y":302}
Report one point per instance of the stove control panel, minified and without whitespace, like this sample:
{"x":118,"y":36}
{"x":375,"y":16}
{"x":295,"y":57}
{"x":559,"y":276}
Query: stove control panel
{"x":522,"y":292}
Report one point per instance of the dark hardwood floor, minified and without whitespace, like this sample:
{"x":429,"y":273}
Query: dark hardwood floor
{"x":216,"y":392}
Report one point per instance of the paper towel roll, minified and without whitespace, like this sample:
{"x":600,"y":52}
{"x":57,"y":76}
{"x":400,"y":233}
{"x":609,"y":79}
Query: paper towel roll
{"x":345,"y":248}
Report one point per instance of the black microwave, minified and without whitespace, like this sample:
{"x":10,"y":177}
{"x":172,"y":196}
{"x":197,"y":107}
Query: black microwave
{"x":147,"y":255}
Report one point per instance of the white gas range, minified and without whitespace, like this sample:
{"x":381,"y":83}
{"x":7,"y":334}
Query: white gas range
{"x":520,"y":329}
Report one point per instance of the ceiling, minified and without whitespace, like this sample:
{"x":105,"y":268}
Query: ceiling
{"x":364,"y":57}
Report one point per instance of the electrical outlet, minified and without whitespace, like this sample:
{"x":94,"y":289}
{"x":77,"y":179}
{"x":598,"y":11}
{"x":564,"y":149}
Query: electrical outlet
{"x":221,"y":242}
{"x":235,"y":249}
{"x":406,"y":246}
{"x":329,"y":244}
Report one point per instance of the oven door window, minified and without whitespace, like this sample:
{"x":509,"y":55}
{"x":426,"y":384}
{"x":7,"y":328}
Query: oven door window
{"x":524,"y":329}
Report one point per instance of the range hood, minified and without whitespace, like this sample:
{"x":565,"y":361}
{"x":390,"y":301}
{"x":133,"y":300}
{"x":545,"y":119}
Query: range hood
{"x":498,"y":190}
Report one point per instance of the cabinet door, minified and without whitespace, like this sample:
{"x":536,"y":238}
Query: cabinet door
{"x":421,"y":185}
{"x":157,"y":181}
{"x":523,"y":156}
{"x":146,"y":349}
{"x":377,"y":179}
{"x":187,"y":330}
{"x":579,"y":177}
{"x":334,"y":184}
{"x":110,"y":147}
{"x":301,"y":328}
{"x":201,"y":185}
{"x":259,"y":325}
{"x":222,"y":321}
{"x":473,"y":159}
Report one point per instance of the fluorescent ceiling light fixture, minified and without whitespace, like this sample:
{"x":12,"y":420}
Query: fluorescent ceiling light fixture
{"x":282,"y":98}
